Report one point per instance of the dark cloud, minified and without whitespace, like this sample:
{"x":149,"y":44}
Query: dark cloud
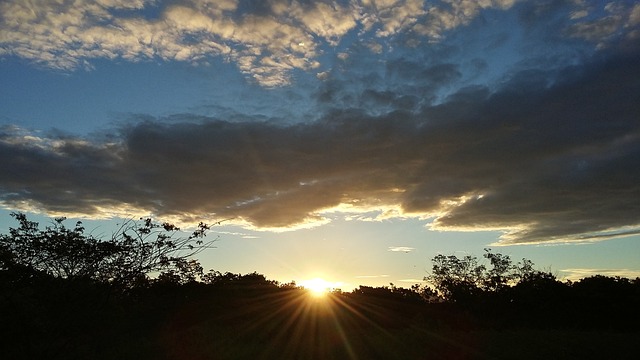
{"x":433,"y":75}
{"x":556,"y":159}
{"x":399,"y":84}
{"x":534,"y":13}
{"x":259,"y":8}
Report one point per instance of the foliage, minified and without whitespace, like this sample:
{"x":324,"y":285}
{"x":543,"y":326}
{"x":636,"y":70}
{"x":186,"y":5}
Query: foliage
{"x":135,"y":250}
{"x":463,"y":279}
{"x":390,"y":292}
{"x":456,"y":278}
{"x":228,"y":279}
{"x":183,"y":272}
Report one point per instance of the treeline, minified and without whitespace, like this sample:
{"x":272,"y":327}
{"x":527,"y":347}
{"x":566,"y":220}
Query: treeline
{"x":140,"y":294}
{"x":507,"y":294}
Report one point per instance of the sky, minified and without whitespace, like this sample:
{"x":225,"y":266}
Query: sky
{"x":348,"y":140}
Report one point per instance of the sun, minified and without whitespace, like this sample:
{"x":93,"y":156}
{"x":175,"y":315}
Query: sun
{"x":317,"y":287}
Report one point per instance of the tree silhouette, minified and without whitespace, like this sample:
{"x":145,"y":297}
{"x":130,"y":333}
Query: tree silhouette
{"x":52,"y":306}
{"x":464,"y":279}
{"x":135,"y":250}
{"x":456,"y":279}
{"x":502,"y":273}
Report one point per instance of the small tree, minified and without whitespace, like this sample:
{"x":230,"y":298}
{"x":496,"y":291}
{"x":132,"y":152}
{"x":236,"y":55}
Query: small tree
{"x":135,"y":250}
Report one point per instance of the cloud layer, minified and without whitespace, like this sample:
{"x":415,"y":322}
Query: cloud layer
{"x":522,"y":117}
{"x":545,"y":157}
{"x":267,"y":40}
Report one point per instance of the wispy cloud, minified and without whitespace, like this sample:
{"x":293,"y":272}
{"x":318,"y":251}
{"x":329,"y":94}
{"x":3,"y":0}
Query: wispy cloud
{"x":606,"y":22}
{"x":239,"y":234}
{"x":371,"y":276}
{"x":411,"y":281}
{"x":404,"y":249}
{"x":577,"y":274}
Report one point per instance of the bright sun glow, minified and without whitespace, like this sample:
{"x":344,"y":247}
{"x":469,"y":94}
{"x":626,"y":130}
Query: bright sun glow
{"x":318,"y":287}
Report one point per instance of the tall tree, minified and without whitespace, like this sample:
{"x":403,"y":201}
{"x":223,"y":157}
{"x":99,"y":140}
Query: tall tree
{"x":456,"y":279}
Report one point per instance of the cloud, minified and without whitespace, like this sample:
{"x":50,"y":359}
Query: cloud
{"x":239,"y":234}
{"x":330,"y":21}
{"x":371,"y":276}
{"x":546,"y":151}
{"x":267,"y":40}
{"x":391,"y":16}
{"x":617,"y":21}
{"x":454,"y":14}
{"x":412,"y":281}
{"x":65,"y":35}
{"x":404,"y":249}
{"x":540,"y":162}
{"x":578,"y":274}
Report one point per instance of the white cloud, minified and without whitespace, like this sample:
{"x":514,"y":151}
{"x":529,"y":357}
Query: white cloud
{"x":330,"y":21}
{"x":405,"y":249}
{"x":454,"y":14}
{"x":392,"y":16}
{"x":371,"y":276}
{"x":412,"y":281}
{"x":266,"y":44}
{"x":619,"y":20}
{"x":62,"y":35}
{"x":634,"y":16}
{"x":575,"y":274}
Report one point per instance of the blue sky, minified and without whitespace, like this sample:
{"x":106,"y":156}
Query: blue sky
{"x":348,"y":140}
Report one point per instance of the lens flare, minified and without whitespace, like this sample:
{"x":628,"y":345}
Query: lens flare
{"x":317,"y":287}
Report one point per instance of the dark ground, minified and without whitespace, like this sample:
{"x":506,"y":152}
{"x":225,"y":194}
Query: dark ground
{"x":82,"y":321}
